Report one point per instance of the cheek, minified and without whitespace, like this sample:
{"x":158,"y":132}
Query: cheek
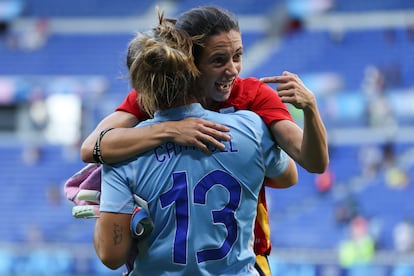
{"x":239,"y":66}
{"x":203,"y":86}
{"x":206,"y":80}
{"x":201,"y":81}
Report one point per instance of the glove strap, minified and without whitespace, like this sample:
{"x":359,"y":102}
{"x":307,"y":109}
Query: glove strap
{"x":141,"y":224}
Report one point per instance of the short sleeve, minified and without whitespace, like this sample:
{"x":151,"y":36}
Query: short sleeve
{"x":116,"y":196}
{"x":268,"y":105}
{"x":130,"y":105}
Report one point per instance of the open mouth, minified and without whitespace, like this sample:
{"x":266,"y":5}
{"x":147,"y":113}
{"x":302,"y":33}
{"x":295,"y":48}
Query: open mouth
{"x":224,"y":86}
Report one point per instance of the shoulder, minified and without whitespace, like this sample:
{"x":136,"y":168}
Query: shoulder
{"x":247,"y":84}
{"x":130,"y":105}
{"x":247,"y":114}
{"x":246,"y":117}
{"x":246,"y":90}
{"x":146,"y":122}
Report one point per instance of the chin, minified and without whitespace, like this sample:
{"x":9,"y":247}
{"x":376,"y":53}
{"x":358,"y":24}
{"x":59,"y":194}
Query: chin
{"x":220,"y":99}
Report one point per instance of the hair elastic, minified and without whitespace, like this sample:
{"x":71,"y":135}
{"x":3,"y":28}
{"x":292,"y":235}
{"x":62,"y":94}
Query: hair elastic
{"x":97,"y":148}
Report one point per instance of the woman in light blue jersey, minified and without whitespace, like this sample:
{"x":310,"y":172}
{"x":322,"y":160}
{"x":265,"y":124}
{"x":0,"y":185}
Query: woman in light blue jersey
{"x":203,"y":206}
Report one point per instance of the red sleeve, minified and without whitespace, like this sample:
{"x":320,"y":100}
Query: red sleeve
{"x":268,"y":105}
{"x":252,"y":94}
{"x":130,"y":105}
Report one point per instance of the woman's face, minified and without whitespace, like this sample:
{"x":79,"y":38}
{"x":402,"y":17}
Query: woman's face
{"x":220,"y":63}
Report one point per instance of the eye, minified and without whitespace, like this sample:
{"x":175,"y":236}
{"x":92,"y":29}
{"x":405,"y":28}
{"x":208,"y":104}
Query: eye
{"x":238,"y":55}
{"x":219,"y":60}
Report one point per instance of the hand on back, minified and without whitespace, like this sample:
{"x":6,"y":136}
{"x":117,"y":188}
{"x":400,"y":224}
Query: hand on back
{"x":199,"y":133}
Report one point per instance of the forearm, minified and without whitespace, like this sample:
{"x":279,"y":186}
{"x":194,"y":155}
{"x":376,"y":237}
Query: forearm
{"x":117,"y":119}
{"x":112,"y":240}
{"x":314,"y":152}
{"x":307,"y":147}
{"x":123,"y":143}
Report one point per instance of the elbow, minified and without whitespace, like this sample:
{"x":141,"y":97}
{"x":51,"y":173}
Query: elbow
{"x":291,"y":181}
{"x":317,"y":167}
{"x":293,"y":176}
{"x":294,"y":180}
{"x":110,"y":260}
{"x":112,"y":264}
{"x":86,"y":153}
{"x":288,"y":179}
{"x":281,"y":183}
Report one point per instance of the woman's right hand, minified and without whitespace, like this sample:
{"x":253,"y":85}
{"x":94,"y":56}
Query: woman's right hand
{"x":198,"y":132}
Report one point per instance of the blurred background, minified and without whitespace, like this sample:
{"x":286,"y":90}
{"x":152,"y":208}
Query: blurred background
{"x":62,"y":69}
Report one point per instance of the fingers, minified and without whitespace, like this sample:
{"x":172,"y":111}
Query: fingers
{"x":217,"y":127}
{"x":211,"y":143}
{"x":216,"y":131}
{"x":287,"y":73}
{"x":207,"y":143}
{"x":274,"y":79}
{"x":287,"y":86}
{"x":284,"y":78}
{"x":279,"y":79}
{"x":212,"y":135}
{"x":202,"y":134}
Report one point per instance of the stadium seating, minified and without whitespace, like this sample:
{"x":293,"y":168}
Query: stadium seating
{"x":361,"y":6}
{"x":79,"y":8}
{"x":32,"y":196}
{"x":348,"y":57}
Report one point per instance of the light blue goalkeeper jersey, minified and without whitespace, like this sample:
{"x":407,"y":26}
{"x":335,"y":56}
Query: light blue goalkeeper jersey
{"x":203,"y":205}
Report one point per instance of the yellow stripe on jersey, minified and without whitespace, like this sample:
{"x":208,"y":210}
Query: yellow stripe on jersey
{"x":262,"y":245}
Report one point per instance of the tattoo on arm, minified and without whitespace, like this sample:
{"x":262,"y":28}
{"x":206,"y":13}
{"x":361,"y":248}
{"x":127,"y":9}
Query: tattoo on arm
{"x":117,"y":234}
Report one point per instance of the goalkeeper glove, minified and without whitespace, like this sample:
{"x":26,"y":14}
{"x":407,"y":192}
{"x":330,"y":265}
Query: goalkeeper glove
{"x":84,"y":189}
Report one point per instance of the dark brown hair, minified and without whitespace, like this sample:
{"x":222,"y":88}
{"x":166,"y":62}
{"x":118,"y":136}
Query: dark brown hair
{"x":205,"y":21}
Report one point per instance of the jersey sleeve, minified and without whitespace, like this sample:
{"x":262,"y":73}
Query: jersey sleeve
{"x":130,"y":105}
{"x":276,"y":162}
{"x":116,"y":196}
{"x":275,"y":159}
{"x":268,"y":106}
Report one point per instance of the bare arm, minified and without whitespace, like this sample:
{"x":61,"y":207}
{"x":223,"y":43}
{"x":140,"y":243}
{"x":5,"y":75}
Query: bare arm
{"x":118,"y":119}
{"x":308,"y":147}
{"x":112,"y":239}
{"x":124,"y":141}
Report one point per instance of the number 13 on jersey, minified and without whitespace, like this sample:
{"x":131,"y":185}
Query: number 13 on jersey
{"x":179,"y":196}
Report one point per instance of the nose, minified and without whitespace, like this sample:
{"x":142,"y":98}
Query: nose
{"x":232,"y":69}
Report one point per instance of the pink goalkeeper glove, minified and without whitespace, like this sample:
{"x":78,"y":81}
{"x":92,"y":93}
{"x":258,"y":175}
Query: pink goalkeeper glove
{"x":84,"y":189}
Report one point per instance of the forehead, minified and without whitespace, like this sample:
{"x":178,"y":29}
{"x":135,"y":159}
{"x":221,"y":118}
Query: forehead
{"x":231,"y":40}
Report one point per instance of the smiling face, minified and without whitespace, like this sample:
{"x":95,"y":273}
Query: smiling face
{"x":220,"y":63}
